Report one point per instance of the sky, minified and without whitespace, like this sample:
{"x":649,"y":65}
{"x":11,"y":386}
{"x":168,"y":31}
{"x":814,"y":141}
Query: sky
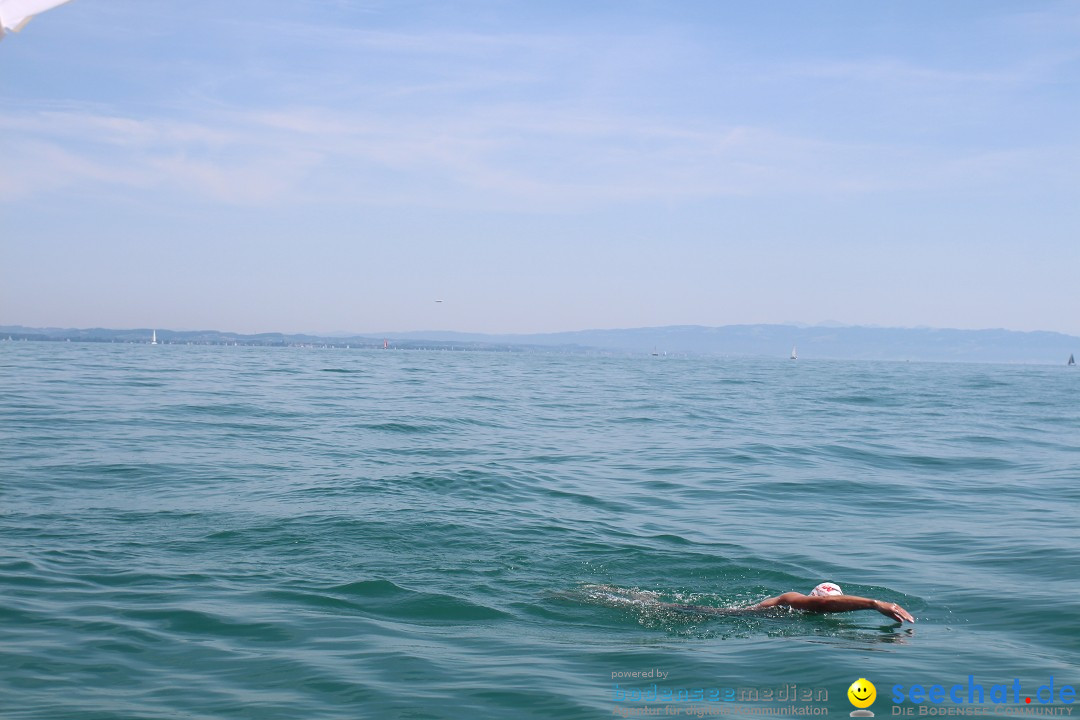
{"x":339,"y":165}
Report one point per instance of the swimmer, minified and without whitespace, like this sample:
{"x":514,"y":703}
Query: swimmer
{"x":825,"y":598}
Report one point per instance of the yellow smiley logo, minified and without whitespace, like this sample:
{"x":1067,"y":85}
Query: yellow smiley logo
{"x":862,"y":693}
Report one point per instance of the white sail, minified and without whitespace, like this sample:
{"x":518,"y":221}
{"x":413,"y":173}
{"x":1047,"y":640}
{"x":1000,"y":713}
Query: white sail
{"x":794,"y":355}
{"x":14,"y":14}
{"x":153,"y":338}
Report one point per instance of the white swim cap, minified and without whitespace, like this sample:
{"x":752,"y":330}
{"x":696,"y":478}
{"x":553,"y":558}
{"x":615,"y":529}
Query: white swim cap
{"x":826,"y":589}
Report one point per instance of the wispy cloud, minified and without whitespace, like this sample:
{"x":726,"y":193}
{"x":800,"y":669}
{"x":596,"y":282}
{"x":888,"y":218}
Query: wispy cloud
{"x":509,"y":156}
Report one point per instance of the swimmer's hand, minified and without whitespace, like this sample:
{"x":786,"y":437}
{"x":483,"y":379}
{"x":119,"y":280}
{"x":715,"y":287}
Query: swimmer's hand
{"x":893,"y":611}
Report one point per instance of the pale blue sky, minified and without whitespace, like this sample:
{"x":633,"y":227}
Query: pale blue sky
{"x":540,"y":166}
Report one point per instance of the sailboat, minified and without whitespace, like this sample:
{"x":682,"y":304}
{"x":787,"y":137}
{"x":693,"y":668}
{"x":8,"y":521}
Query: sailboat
{"x":153,"y":338}
{"x":1072,"y":360}
{"x":794,"y":355}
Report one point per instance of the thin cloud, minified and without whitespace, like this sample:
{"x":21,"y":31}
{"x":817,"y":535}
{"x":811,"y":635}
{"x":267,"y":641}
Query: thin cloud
{"x":509,"y":156}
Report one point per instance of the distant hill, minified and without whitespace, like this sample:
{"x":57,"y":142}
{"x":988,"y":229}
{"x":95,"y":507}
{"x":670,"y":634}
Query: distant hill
{"x":848,"y":342}
{"x":852,"y":342}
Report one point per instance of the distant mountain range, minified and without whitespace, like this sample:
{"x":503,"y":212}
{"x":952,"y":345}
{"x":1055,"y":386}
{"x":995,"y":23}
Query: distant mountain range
{"x":844,"y":342}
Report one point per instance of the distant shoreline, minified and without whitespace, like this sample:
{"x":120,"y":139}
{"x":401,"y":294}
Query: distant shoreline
{"x":815,"y":342}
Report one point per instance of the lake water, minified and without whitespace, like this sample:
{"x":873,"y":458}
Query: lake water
{"x":233,"y":532}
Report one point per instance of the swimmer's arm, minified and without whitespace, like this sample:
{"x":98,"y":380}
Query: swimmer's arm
{"x":835,"y":604}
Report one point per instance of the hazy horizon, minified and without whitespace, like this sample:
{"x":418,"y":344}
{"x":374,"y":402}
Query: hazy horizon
{"x":540,"y":167}
{"x":451,"y":331}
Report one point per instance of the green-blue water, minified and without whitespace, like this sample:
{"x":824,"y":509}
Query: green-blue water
{"x":226,"y":532}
